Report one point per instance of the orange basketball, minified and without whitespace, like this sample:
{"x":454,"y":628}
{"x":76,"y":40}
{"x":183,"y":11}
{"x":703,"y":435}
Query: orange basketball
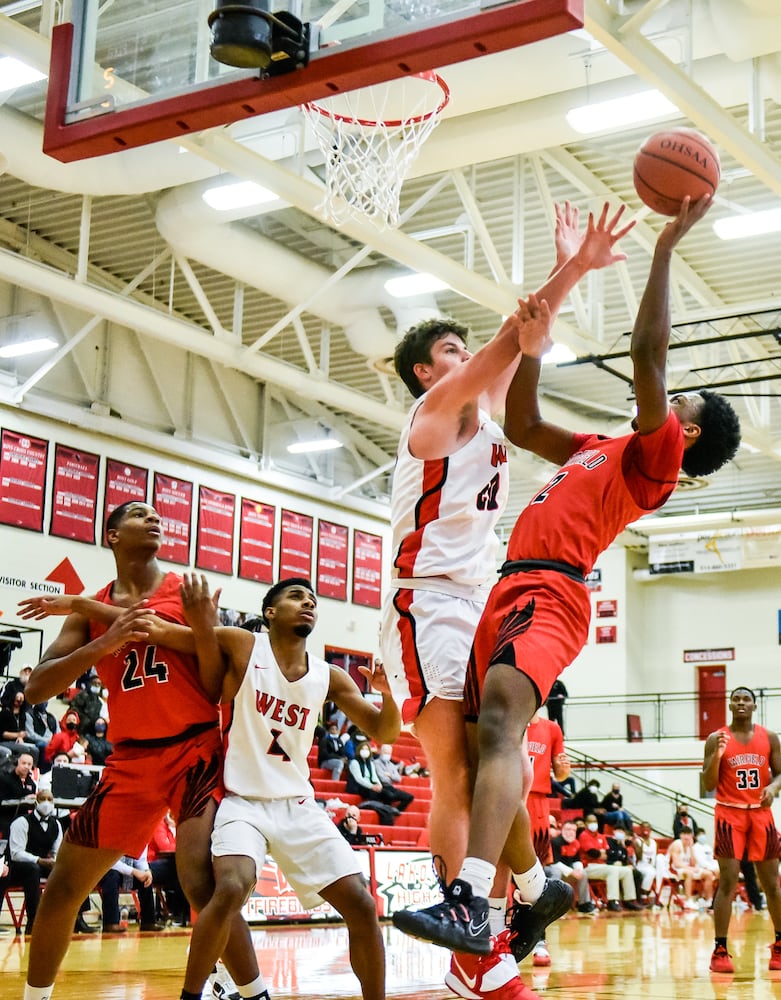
{"x":671,"y":165}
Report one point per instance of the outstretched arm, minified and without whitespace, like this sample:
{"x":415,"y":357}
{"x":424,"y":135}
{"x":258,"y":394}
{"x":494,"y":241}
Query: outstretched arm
{"x":382,"y":724}
{"x":72,"y":652}
{"x":651,"y":333}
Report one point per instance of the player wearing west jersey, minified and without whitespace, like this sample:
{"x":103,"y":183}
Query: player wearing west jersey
{"x":537,"y":617}
{"x":167,"y":745}
{"x":278,"y":690}
{"x":743,"y":764}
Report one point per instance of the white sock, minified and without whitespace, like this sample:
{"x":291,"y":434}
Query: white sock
{"x":252,"y":989}
{"x":497,"y":912}
{"x":531,"y":883}
{"x":479,"y":874}
{"x":37,"y":992}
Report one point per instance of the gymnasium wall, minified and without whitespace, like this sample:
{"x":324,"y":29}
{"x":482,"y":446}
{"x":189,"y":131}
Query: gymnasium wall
{"x":32,"y":556}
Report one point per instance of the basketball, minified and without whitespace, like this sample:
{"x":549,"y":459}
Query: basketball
{"x":673,"y":164}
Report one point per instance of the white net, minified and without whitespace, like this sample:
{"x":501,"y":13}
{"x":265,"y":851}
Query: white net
{"x":369,"y":139}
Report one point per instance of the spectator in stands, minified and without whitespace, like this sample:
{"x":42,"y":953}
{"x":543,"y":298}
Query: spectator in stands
{"x":682,"y":820}
{"x":161,"y":855}
{"x":16,"y":783}
{"x":33,"y":841}
{"x":362,"y":780}
{"x":586,"y":800}
{"x":330,"y":751}
{"x":621,"y":851}
{"x":619,"y":879}
{"x":128,"y":875}
{"x":98,"y":746}
{"x":40,"y":725}
{"x":649,"y":862}
{"x":751,"y":885}
{"x":13,"y":725}
{"x":68,"y":739}
{"x":45,"y":784}
{"x":683,"y":865}
{"x":390,"y":773}
{"x":89,"y":704}
{"x":349,"y":826}
{"x":613,"y":812}
{"x":568,"y":866}
{"x":352,"y":739}
{"x":16,"y":684}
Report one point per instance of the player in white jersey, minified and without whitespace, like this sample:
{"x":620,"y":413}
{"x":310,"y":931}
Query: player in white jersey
{"x":278,"y":690}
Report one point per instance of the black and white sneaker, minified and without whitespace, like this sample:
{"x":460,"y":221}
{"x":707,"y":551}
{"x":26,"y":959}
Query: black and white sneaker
{"x":224,"y":988}
{"x":527,"y":922}
{"x":459,"y":923}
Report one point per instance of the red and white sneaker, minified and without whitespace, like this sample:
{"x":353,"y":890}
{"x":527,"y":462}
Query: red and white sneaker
{"x":540,"y":955}
{"x":488,"y":977}
{"x":775,"y":957}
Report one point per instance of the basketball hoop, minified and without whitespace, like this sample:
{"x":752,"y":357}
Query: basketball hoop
{"x":370,"y":138}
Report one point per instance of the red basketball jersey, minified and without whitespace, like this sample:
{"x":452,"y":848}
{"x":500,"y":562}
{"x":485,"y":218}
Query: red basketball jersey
{"x":744,"y":770}
{"x":591,"y":499}
{"x":545,"y":741}
{"x":153,"y":692}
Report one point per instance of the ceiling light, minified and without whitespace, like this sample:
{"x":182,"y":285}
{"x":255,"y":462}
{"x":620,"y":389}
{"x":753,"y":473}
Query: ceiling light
{"x":558,"y":355}
{"x":319,"y":444}
{"x":22,"y":347}
{"x":414,"y":284}
{"x":14,"y":73}
{"x":634,"y":109}
{"x":241,"y":194}
{"x":736,"y":227}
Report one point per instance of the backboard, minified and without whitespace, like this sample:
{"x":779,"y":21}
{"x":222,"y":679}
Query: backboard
{"x":125,"y":75}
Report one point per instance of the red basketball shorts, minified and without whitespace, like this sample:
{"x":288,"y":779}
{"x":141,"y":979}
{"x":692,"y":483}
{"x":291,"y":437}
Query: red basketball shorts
{"x":747,"y":833}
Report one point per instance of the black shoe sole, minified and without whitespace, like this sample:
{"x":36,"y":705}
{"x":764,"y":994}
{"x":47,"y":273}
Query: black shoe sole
{"x":523,"y":940}
{"x":418,"y":924}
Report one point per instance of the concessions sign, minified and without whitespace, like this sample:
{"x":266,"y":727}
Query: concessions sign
{"x":214,"y":548}
{"x":75,"y":494}
{"x":22,"y":480}
{"x":173,"y":501}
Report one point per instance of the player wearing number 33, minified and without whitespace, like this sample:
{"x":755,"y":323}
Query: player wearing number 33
{"x":743,"y":763}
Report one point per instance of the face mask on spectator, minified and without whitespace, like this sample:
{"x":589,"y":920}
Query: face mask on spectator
{"x":95,"y":688}
{"x":619,"y":835}
{"x":364,"y":753}
{"x":702,"y":839}
{"x":593,"y":788}
{"x":385,"y":756}
{"x":45,"y":808}
{"x":100,"y":728}
{"x":71,"y":725}
{"x":593,"y":827}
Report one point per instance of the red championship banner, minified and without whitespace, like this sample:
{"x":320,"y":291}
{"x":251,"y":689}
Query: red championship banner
{"x":22,"y":480}
{"x":295,"y":545}
{"x":367,"y":569}
{"x":75,"y":494}
{"x":332,"y":560}
{"x":173,"y":501}
{"x":123,"y":483}
{"x":256,"y":541}
{"x":214,"y":548}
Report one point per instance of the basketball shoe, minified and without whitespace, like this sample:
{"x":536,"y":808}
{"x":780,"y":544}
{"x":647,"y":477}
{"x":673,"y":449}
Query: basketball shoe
{"x":224,"y":988}
{"x":529,"y":920}
{"x":775,"y":957}
{"x":460,"y":923}
{"x":488,"y":977}
{"x":540,"y":955}
{"x":721,"y":960}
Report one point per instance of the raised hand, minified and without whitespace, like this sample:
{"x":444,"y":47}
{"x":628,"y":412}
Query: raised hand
{"x":567,"y":237}
{"x":199,"y":605}
{"x":376,"y":676}
{"x":722,"y":739}
{"x":36,"y":608}
{"x":133,"y":625}
{"x":596,"y":251}
{"x":690,"y":213}
{"x":534,"y":326}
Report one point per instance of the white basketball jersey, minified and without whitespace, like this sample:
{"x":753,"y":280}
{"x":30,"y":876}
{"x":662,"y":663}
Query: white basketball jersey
{"x":444,"y":511}
{"x":272,"y":728}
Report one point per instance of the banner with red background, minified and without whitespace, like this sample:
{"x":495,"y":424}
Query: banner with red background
{"x":367,"y":569}
{"x":295,"y":545}
{"x":332,"y":560}
{"x":214,"y":547}
{"x":22,"y":480}
{"x":75,"y":494}
{"x":256,"y":541}
{"x":173,"y":501}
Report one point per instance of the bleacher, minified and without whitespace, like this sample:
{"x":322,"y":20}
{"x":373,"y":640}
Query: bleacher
{"x":410,"y":829}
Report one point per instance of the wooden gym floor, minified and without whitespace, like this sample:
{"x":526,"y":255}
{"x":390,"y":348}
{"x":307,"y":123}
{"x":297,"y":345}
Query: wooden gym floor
{"x":656,"y":955}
